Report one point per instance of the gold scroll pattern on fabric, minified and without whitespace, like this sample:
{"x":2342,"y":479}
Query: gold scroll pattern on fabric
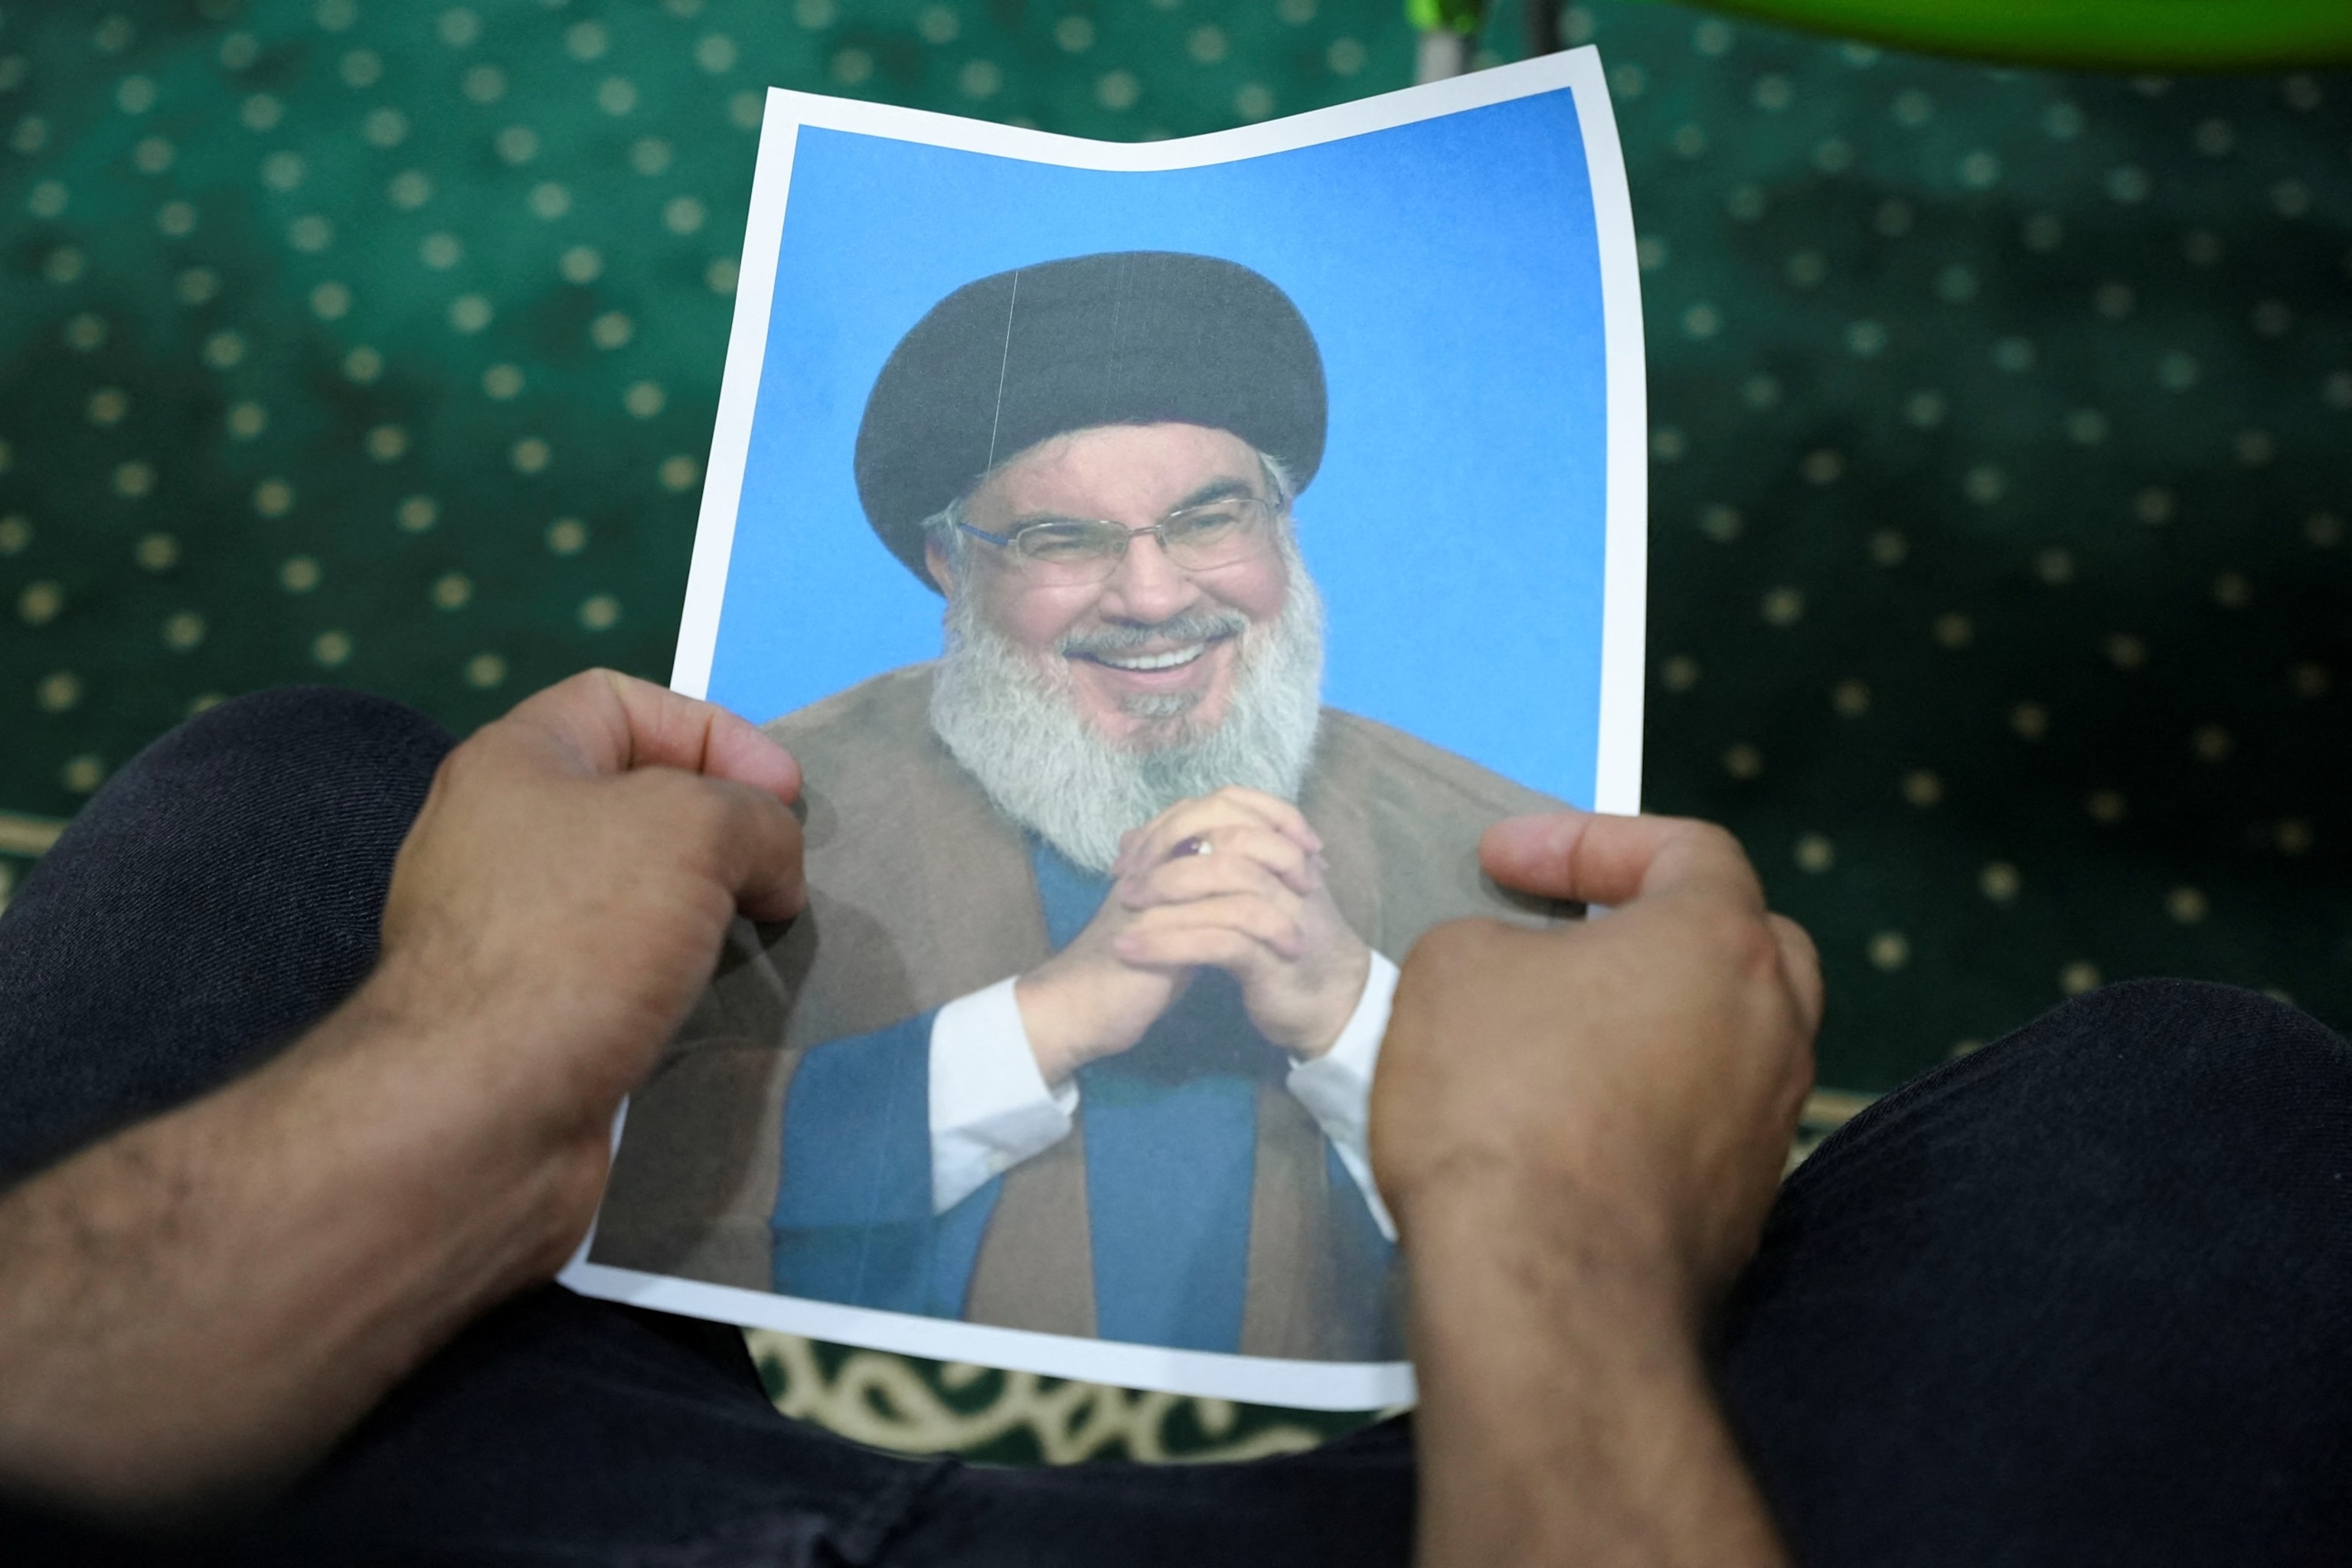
{"x":889,"y":1402}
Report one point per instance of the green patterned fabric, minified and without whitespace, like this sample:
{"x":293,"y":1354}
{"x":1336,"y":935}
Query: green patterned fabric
{"x":1999,"y":422}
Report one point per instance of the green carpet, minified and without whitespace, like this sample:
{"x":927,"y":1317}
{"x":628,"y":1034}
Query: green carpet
{"x":2000,"y":423}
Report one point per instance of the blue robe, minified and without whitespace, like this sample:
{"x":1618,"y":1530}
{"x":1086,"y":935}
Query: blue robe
{"x":1170,"y":1135}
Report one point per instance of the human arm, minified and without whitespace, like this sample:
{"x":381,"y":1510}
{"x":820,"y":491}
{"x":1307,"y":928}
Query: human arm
{"x":1336,"y":1088}
{"x":1579,"y":1131}
{"x":854,"y":1219}
{"x":194,"y":1308}
{"x":990,"y":1107}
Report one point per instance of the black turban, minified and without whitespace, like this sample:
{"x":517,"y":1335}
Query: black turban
{"x":1133,"y":337}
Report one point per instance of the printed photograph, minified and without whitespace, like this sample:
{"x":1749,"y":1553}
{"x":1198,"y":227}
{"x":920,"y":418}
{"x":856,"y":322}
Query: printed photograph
{"x":1158,"y":620}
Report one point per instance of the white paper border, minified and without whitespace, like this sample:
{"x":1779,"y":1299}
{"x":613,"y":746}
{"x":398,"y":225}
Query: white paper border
{"x":1248,"y":1380}
{"x":1305,"y":1384}
{"x":1625,"y":590}
{"x":738,"y":396}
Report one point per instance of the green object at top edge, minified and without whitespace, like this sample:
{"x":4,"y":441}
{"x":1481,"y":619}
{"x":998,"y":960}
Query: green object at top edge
{"x":1450,"y":16}
{"x":2123,"y":34}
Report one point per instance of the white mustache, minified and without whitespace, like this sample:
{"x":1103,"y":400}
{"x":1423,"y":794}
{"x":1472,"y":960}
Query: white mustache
{"x":1175,"y":632}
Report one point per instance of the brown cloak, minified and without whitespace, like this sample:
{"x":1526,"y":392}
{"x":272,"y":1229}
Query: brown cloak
{"x":921,"y":892}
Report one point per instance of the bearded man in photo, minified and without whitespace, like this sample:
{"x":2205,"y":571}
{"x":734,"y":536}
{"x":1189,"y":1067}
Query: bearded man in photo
{"x":1105,"y":909}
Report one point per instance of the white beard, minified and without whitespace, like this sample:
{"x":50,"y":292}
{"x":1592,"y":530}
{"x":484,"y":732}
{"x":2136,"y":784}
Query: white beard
{"x":1011,"y":721}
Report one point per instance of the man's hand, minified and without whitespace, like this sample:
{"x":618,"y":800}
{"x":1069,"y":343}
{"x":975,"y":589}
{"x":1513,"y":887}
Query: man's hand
{"x":192,"y":1309}
{"x":1255,"y":904}
{"x":1644,"y":1067}
{"x":570,"y":879}
{"x":1579,"y":1132}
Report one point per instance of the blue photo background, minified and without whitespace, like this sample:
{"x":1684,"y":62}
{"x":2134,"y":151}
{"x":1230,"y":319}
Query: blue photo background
{"x":1450,"y":272}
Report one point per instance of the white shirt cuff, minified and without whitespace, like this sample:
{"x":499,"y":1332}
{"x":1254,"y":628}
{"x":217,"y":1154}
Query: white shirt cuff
{"x":990,"y":1106}
{"x":1336,"y":1088}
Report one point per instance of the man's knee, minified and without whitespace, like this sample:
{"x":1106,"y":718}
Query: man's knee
{"x":224,"y":889}
{"x":302,"y":734}
{"x":227,"y":788}
{"x":2183,"y":1047}
{"x":2150,"y":1110}
{"x":2158,"y":1045}
{"x":2033,"y":1283}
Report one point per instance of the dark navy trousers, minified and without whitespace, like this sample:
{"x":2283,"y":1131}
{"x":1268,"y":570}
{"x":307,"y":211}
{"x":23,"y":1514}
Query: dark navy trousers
{"x":2084,"y":1296}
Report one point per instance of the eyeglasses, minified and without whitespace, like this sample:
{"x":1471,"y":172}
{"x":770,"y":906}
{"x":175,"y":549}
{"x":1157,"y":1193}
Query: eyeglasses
{"x":1065,"y":552}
